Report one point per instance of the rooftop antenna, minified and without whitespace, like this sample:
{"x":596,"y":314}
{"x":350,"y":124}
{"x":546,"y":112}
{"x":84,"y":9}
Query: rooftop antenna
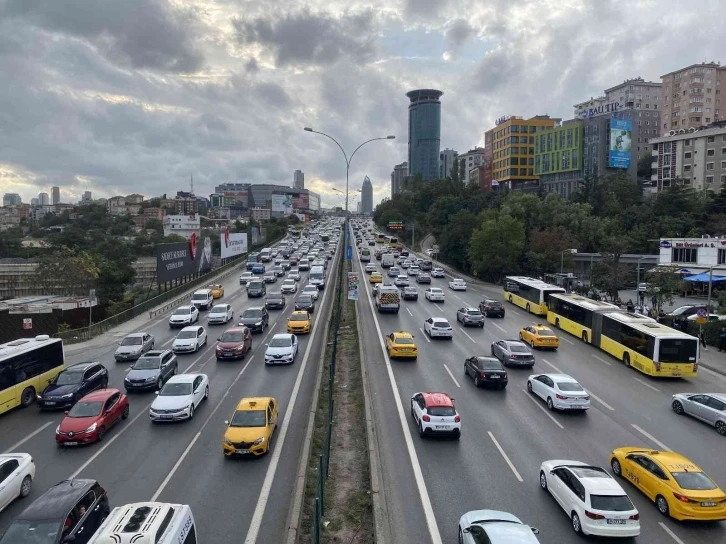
{"x":192,"y":185}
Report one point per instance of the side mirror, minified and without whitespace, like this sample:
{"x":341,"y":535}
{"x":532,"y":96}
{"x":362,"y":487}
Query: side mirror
{"x":535,"y":530}
{"x":219,"y":339}
{"x":226,"y":422}
{"x":66,"y":412}
{"x":466,"y":530}
{"x":156,"y":392}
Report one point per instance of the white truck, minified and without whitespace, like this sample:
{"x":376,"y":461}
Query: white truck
{"x":388,"y":299}
{"x":387,"y":260}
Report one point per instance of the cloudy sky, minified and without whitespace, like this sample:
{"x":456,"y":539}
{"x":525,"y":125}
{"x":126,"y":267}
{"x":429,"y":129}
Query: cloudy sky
{"x":122,"y":96}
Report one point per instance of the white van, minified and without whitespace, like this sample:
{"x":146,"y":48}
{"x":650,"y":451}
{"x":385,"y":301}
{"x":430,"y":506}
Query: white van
{"x":387,"y":260}
{"x":203,"y":299}
{"x":317,"y":277}
{"x":266,"y":255}
{"x":148,"y":523}
{"x":388,"y":299}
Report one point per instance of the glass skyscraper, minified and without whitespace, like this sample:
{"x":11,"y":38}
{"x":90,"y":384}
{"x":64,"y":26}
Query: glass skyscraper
{"x":424,"y":133}
{"x":366,"y":199}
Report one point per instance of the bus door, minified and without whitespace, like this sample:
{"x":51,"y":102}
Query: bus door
{"x":596,"y":328}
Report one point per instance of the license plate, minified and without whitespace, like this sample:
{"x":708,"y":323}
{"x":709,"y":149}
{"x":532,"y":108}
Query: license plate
{"x":70,"y":443}
{"x":50,"y":403}
{"x":228,"y":355}
{"x":676,"y":374}
{"x":616,"y":522}
{"x":494,"y":377}
{"x":242,"y":451}
{"x":708,"y":504}
{"x":163,"y":416}
{"x":442,"y":427}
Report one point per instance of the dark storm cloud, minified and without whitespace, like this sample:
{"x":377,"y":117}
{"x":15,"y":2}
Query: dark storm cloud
{"x":307,"y":38}
{"x":458,"y":33}
{"x":137,"y":33}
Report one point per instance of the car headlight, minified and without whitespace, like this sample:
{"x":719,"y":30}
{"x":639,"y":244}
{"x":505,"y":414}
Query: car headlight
{"x":150,"y":379}
{"x":90,"y":429}
{"x":57,"y":430}
{"x":70,"y":395}
{"x":187,"y":407}
{"x":258,"y":324}
{"x":228,"y":442}
{"x":259,"y":441}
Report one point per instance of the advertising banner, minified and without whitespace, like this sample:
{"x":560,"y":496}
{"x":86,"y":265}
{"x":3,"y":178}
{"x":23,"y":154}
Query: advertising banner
{"x":301,"y":201}
{"x":183,"y":258}
{"x":282,"y":203}
{"x":620,"y":143}
{"x":353,"y":284}
{"x":233,"y":243}
{"x":255,"y":236}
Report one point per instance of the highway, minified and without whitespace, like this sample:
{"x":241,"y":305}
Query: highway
{"x":430,"y":483}
{"x":183,"y":462}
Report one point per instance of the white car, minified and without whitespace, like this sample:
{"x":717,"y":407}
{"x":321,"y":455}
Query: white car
{"x":435,"y":413}
{"x":401,"y":281}
{"x":438,"y":327}
{"x":559,"y":391}
{"x":289,"y":286}
{"x":246,"y":277}
{"x":17,"y":472}
{"x":434,"y":294}
{"x":311,"y":290}
{"x":370,"y":268}
{"x":183,"y":316}
{"x":221,"y":313}
{"x":480,"y":526}
{"x":189,"y":339}
{"x":438,"y":273}
{"x":593,"y":500}
{"x":414,"y":270}
{"x":406,"y":263}
{"x":294,"y":274}
{"x":179,"y":397}
{"x":457,"y":285}
{"x":282,"y":349}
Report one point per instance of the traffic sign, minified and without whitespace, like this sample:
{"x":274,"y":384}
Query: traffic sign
{"x":701,"y":316}
{"x":395,"y":225}
{"x":349,"y":253}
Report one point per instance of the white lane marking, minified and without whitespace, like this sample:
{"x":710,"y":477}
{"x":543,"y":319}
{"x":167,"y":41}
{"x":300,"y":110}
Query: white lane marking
{"x":409,"y":312}
{"x":545,"y":361}
{"x":660,"y":444}
{"x":511,"y":465}
{"x":711,"y":372}
{"x":196,"y":360}
{"x":24,"y":440}
{"x":169,"y":341}
{"x":256,"y":521}
{"x":428,"y":509}
{"x":605,"y":404}
{"x":424,"y":335}
{"x":538,"y":405}
{"x":440,"y":308}
{"x":670,"y":533}
{"x":459,"y":299}
{"x":567,"y":340}
{"x":452,"y":376}
{"x":500,"y":328}
{"x":602,"y":360}
{"x":647,"y":384}
{"x":467,"y":335}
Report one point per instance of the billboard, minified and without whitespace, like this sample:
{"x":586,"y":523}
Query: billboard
{"x":621,"y":142}
{"x":183,"y":258}
{"x":233,"y":243}
{"x":282,"y":203}
{"x":301,"y":201}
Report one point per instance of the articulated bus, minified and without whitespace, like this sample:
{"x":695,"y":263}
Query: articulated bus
{"x":636,"y":340}
{"x":26,"y":367}
{"x":380,"y":238}
{"x":529,"y":293}
{"x":391,"y":241}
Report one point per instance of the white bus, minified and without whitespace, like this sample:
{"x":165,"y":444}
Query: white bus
{"x":148,"y":523}
{"x":26,"y":367}
{"x":266,"y":255}
{"x":529,"y":293}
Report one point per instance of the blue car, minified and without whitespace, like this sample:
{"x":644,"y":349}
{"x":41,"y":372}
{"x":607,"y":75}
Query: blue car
{"x":258,"y":268}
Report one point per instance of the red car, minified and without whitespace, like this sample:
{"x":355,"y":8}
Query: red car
{"x":91,"y":417}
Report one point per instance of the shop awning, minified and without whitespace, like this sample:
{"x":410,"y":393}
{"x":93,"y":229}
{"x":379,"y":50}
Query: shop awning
{"x":703,"y":277}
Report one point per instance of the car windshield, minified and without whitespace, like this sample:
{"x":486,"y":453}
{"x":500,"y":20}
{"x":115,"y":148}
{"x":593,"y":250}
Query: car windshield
{"x":569,"y":386}
{"x":275,"y":298}
{"x":544,"y":332}
{"x":310,"y":289}
{"x":298,"y":317}
{"x":442,"y":411}
{"x":252,"y":313}
{"x":696,"y":481}
{"x":248,"y":418}
{"x":611,"y":503}
{"x":436,"y":291}
{"x":307,"y":299}
{"x":404,"y":340}
{"x":131,"y":341}
{"x":516,"y":348}
{"x":288,"y":282}
{"x":281,"y":342}
{"x":32,"y":532}
{"x":148,"y":363}
{"x":69,"y":377}
{"x":183,"y":335}
{"x":86,"y":409}
{"x":199,"y":296}
{"x":474,"y":312}
{"x":494,"y":303}
{"x":182,"y":311}
{"x":255,"y":285}
{"x":176,"y":389}
{"x":490,"y":364}
{"x":219,"y":310}
{"x":232,"y":337}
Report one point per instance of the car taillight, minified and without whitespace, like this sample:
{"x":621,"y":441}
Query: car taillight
{"x":457,"y":419}
{"x":482,"y":375}
{"x":561,"y":397}
{"x":586,"y":397}
{"x":634,"y":517}
{"x":426,"y":418}
{"x":593,"y":515}
{"x":680,"y":497}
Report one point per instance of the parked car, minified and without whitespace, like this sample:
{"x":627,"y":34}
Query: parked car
{"x":234,"y":343}
{"x":151,"y":371}
{"x":71,"y":384}
{"x":133,"y":346}
{"x":513,"y":353}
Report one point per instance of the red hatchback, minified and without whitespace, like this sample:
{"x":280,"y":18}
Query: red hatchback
{"x":91,"y":417}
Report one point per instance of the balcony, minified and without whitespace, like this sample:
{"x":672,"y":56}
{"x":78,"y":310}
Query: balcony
{"x":654,"y":177}
{"x":654,"y":165}
{"x":655,"y":152}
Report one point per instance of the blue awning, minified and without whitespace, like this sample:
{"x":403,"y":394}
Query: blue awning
{"x":703,"y":277}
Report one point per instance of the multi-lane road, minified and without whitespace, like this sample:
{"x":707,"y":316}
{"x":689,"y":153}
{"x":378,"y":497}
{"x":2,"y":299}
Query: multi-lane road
{"x":506,"y":435}
{"x":183,"y":462}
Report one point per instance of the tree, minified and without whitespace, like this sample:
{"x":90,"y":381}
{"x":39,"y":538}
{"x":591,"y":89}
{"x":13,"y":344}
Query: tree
{"x":496,"y":246}
{"x":644,"y":169}
{"x":610,"y":274}
{"x":454,"y":241}
{"x":67,"y":272}
{"x":663,"y":283}
{"x":548,"y":251}
{"x":155,"y":224}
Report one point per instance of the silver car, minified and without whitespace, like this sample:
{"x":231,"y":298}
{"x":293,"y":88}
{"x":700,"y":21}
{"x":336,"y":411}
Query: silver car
{"x":134,"y":346}
{"x":493,"y":526}
{"x":708,"y":407}
{"x":513,"y":353}
{"x":470,"y":316}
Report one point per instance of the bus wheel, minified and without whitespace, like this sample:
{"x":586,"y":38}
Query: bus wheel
{"x":626,"y":359}
{"x":28,"y":396}
{"x":527,"y":308}
{"x":584,"y":336}
{"x":557,"y":322}
{"x":510,"y":298}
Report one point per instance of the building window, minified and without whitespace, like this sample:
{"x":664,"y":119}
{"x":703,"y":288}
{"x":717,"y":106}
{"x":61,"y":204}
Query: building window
{"x":666,"y":160}
{"x":522,"y":139}
{"x":709,"y":179}
{"x":721,"y":256}
{"x":709,"y":166}
{"x":687,"y":168}
{"x":684,"y":255}
{"x":687,"y":155}
{"x":667,"y":147}
{"x":710,"y":152}
{"x":723,"y":178}
{"x":711,"y":139}
{"x":666,"y":173}
{"x":723,"y":165}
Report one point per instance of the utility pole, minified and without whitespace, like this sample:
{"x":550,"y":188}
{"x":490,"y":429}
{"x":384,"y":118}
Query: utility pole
{"x":413,"y":236}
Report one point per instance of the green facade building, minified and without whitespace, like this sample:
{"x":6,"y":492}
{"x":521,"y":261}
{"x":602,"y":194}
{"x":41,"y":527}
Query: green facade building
{"x":558,"y":157}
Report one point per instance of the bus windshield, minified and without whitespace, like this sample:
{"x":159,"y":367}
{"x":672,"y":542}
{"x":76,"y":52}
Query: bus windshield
{"x":676,"y":350}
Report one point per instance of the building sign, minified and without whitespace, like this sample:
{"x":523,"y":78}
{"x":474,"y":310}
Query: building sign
{"x":233,"y":243}
{"x":183,"y":258}
{"x":695,"y":245}
{"x":502,"y":119}
{"x":602,"y":109}
{"x":395,"y":225}
{"x":27,"y":323}
{"x":666,"y":244}
{"x":353,"y":284}
{"x":620,"y":143}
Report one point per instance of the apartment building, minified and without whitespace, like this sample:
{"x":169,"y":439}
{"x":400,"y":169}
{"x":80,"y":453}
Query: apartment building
{"x":692,"y":96}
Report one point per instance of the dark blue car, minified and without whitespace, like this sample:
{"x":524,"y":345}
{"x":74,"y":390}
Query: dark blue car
{"x":258,"y":268}
{"x":73,"y":383}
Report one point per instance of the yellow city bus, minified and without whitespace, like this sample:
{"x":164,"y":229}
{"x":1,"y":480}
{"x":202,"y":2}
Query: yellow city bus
{"x":529,"y":293}
{"x":391,"y":241}
{"x":638,"y":341}
{"x":26,"y":367}
{"x":380,"y":238}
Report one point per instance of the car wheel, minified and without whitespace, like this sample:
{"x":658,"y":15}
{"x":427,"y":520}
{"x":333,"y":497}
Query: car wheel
{"x":576,"y":524}
{"x":520,"y":336}
{"x":461,"y":536}
{"x":25,"y":487}
{"x":104,"y":384}
{"x":476,"y":381}
{"x":125,"y":414}
{"x":159,"y":383}
{"x":421,"y":432}
{"x":206,"y":392}
{"x":175,"y":370}
{"x":542,"y":480}
{"x":615,"y":465}
{"x":531,"y":343}
{"x":662,"y":504}
{"x":529,"y":386}
{"x":101,"y":434}
{"x":191,"y":411}
{"x":28,"y":396}
{"x":550,"y":405}
{"x":677,"y":406}
{"x":413,"y":414}
{"x":721,"y":428}
{"x":626,"y":359}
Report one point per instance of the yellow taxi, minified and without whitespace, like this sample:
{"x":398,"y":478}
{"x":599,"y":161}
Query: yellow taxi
{"x":250,"y":428}
{"x":678,"y":487}
{"x":401,"y":345}
{"x":539,"y":336}
{"x":299,"y":322}
{"x":217,"y":290}
{"x":376,"y":277}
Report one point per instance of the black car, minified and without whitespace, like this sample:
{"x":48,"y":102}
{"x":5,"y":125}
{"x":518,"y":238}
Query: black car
{"x":491,"y":308}
{"x":275,"y":301}
{"x":70,"y":511}
{"x":305,"y":302}
{"x":371,"y":242}
{"x":256,"y":289}
{"x":486,"y":371}
{"x":255,"y":319}
{"x":151,"y":371}
{"x":73,"y":383}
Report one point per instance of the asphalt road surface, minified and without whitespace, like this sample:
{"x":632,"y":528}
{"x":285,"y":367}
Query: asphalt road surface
{"x":183,"y":462}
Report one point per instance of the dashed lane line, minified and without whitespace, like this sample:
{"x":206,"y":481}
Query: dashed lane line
{"x":538,"y":405}
{"x":649,"y":436}
{"x":506,"y":458}
{"x":452,"y":376}
{"x":647,"y":385}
